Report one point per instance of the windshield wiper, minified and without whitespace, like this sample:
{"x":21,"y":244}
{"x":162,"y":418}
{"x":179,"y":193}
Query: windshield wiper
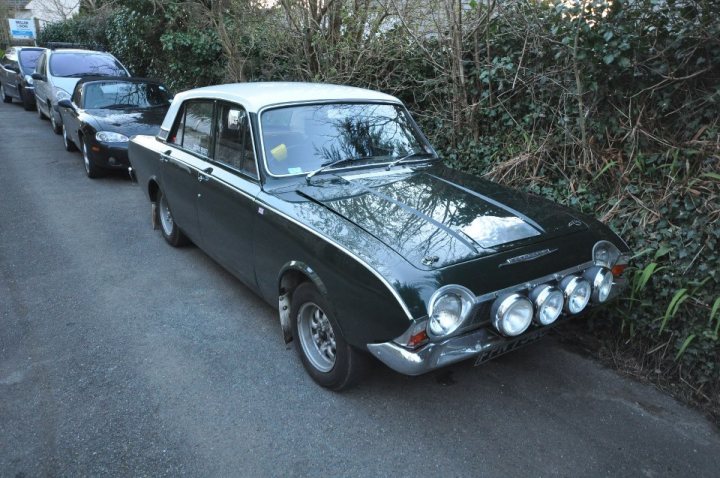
{"x":409,"y":155}
{"x":331,"y":164}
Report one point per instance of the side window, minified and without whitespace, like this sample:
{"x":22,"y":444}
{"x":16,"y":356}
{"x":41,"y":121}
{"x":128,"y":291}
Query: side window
{"x":233,"y":145}
{"x":194,"y":129}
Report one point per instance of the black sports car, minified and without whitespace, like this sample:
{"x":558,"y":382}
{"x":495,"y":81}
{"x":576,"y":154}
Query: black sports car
{"x":105,"y":112}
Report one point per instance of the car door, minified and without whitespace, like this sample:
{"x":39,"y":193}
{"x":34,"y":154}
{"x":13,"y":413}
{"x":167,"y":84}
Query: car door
{"x":226,"y":195}
{"x":40,"y":81}
{"x":187,"y":155}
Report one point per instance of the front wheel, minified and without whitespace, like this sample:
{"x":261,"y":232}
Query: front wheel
{"x":91,"y":169}
{"x":40,"y":113}
{"x":55,"y":124}
{"x":326,"y":356}
{"x":67,"y":142}
{"x":27,"y":102}
{"x":5,"y":97}
{"x":169,"y":228}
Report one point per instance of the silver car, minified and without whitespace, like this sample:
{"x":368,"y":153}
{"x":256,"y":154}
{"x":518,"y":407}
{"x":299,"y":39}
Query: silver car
{"x":58,"y":71}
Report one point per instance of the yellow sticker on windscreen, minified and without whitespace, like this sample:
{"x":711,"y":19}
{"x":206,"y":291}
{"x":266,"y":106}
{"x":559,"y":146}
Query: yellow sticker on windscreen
{"x":279,"y":152}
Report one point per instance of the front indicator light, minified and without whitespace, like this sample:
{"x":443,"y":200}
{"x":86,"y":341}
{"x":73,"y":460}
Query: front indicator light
{"x":618,"y":269}
{"x":512,"y":314}
{"x":602,"y":282}
{"x":577,"y":293}
{"x":549,"y":302}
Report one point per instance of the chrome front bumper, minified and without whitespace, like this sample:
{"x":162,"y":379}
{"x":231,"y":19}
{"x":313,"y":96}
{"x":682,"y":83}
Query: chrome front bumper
{"x":482,"y":344}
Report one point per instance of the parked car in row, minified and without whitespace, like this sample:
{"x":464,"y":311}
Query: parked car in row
{"x":329,"y":202}
{"x":18,"y":65}
{"x":104,"y":112}
{"x":59,"y":69}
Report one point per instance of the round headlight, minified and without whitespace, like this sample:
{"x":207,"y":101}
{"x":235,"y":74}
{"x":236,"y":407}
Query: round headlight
{"x":549,"y":303}
{"x":605,"y":254}
{"x":512,"y":314}
{"x":577,"y":293}
{"x":448,"y":309}
{"x":602,"y":282}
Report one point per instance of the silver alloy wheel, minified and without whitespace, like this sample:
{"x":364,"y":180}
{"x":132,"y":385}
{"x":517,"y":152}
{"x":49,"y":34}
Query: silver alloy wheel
{"x":86,"y":158}
{"x":53,"y":123}
{"x":65,"y":138}
{"x":317,"y":337}
{"x":166,"y":219}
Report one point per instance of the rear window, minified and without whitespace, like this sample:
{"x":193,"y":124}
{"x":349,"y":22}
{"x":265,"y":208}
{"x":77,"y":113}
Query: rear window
{"x":85,"y":64}
{"x":29,"y":58}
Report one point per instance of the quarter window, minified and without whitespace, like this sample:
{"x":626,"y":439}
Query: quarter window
{"x":233,"y":145}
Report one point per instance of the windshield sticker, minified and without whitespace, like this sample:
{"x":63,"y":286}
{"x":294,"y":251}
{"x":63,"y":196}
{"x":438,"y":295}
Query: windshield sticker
{"x":295,"y":170}
{"x":279,"y":152}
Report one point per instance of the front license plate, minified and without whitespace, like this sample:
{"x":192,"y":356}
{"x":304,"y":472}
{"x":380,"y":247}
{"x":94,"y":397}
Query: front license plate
{"x":510,"y":346}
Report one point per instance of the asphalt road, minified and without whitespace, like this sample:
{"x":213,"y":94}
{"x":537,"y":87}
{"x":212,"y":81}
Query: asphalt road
{"x":120,"y":355}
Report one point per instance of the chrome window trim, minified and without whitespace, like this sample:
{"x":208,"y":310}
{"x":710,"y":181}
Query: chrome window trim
{"x":329,"y":102}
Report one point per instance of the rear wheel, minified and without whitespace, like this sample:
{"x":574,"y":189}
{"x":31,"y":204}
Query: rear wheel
{"x":170,"y":230}
{"x":326,"y":356}
{"x":5,"y":97}
{"x":91,"y":170}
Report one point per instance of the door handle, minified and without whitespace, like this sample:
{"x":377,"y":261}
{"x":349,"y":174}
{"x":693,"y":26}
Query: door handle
{"x":203,"y":175}
{"x":165,"y":157}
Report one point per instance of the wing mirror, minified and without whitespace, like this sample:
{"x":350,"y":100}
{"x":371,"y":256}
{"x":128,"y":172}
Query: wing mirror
{"x":39,"y":77}
{"x":66,"y":104}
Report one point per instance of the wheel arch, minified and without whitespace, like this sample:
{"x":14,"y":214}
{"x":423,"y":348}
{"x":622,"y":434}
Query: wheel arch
{"x":291,"y":275}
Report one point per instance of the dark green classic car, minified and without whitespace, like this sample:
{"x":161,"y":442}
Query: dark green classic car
{"x":329,"y":202}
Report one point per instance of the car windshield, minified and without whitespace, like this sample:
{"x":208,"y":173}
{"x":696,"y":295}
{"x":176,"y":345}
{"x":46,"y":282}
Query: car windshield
{"x":85,"y":64}
{"x":28,"y":58}
{"x":301,"y":139}
{"x":124,"y":94}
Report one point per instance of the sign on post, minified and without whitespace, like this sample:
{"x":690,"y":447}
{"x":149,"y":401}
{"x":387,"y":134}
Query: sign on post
{"x":21,"y":29}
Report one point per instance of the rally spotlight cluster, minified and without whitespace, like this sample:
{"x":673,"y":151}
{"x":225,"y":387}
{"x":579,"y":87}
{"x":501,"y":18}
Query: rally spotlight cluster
{"x":513,"y":313}
{"x":451,"y":307}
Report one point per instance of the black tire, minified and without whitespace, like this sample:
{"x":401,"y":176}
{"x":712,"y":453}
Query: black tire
{"x":335,"y":371}
{"x":28,"y":104}
{"x":92,"y":171}
{"x":5,"y":97}
{"x":169,"y":229}
{"x":67,"y":142}
{"x":40,"y":113}
{"x":56,"y":127}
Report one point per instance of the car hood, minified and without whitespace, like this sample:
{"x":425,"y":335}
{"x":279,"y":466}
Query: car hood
{"x":129,"y":122}
{"x":438,"y":217}
{"x":67,"y":84}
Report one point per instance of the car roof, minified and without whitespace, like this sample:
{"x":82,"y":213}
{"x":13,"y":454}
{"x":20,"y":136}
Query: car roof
{"x":255,"y":96}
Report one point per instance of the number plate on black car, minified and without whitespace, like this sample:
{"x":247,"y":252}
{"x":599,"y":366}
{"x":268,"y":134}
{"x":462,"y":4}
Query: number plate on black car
{"x":510,"y":346}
